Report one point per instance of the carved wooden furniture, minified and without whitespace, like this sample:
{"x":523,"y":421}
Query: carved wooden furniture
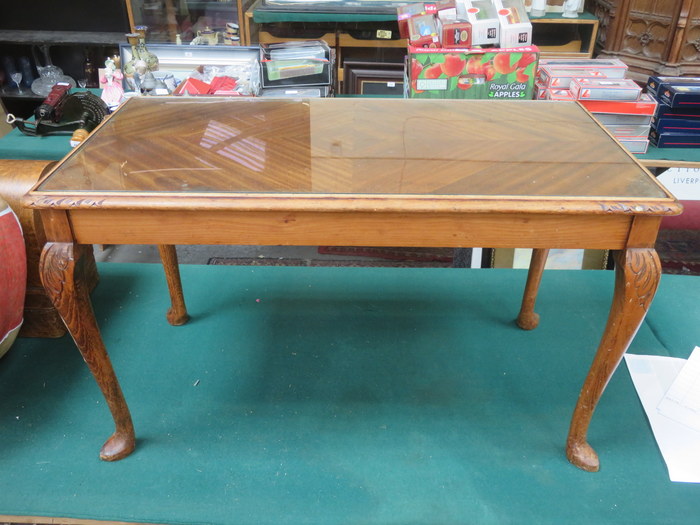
{"x":651,"y":37}
{"x":366,"y":172}
{"x":40,"y":317}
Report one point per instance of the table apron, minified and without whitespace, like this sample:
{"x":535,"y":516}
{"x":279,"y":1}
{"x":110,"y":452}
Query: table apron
{"x":349,"y":228}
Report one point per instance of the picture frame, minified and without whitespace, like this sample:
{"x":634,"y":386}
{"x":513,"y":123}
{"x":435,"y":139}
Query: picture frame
{"x":373,"y":78}
{"x":558,"y":259}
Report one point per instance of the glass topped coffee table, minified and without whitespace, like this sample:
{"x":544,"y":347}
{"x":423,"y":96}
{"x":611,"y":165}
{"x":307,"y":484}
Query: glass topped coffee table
{"x":368,"y":172}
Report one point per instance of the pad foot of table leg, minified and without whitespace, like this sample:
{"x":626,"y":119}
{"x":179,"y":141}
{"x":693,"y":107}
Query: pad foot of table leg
{"x":528,"y":320}
{"x":175,"y":317}
{"x":118,"y":446}
{"x":583,"y":456}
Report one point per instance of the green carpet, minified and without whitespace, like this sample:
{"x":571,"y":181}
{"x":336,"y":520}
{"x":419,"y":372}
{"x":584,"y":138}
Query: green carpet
{"x":342,"y":396}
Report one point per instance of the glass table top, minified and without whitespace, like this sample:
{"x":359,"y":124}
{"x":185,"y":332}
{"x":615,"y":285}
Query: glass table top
{"x":352,"y":146}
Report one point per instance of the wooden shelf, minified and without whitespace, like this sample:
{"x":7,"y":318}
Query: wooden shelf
{"x":61,"y":37}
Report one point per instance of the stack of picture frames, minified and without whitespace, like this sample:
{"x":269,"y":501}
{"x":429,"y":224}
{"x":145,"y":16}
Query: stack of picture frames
{"x":379,"y":79}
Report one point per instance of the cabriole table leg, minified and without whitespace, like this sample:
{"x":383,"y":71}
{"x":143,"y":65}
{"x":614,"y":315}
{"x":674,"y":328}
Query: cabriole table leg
{"x":527,"y":318}
{"x":177,"y":314}
{"x":637,"y":273}
{"x":62,"y":268}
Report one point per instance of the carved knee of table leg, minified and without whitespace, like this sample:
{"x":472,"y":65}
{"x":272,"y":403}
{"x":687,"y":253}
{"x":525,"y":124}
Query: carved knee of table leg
{"x":527,"y":318}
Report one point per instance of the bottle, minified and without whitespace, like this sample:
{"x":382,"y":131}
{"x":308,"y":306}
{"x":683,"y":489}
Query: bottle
{"x":90,"y":72}
{"x":148,"y":57}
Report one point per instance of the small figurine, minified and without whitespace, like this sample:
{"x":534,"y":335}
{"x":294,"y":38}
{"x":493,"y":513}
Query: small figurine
{"x":112,"y":92}
{"x":570,"y":9}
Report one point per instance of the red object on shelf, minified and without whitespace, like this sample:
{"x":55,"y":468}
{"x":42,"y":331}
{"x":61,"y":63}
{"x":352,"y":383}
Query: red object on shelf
{"x":222,"y":86}
{"x":192,"y":86}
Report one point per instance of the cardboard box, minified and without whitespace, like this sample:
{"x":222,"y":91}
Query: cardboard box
{"x":446,"y":11}
{"x":680,"y":95}
{"x":404,"y":12}
{"x":635,"y":145}
{"x":620,"y":130}
{"x":605,"y":89}
{"x":540,"y":91}
{"x":516,"y":29}
{"x":674,"y":140}
{"x":481,"y":14}
{"x":622,"y":119}
{"x":610,"y":67}
{"x":674,"y":125}
{"x":664,"y":110}
{"x":559,"y":94}
{"x":455,"y":34}
{"x":472,"y":73}
{"x":645,"y":106}
{"x":560,"y":78}
{"x":655,"y":82}
{"x":423,"y":31}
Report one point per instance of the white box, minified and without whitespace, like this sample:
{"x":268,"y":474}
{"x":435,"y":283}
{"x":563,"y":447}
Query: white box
{"x":481,"y":14}
{"x":516,"y":29}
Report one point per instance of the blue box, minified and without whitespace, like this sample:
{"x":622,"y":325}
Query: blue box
{"x":654,"y":83}
{"x":676,"y":125}
{"x":680,"y":95}
{"x":664,"y":110}
{"x":674,"y":140}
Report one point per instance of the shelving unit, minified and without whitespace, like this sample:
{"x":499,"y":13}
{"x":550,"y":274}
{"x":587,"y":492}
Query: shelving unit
{"x":374,"y":37}
{"x":559,"y":37}
{"x":67,"y":49}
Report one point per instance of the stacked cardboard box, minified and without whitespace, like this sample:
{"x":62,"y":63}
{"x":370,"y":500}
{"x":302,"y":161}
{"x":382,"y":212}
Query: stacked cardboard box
{"x":676,"y":123}
{"x":465,"y":23}
{"x":442,"y":61}
{"x":600,"y":85}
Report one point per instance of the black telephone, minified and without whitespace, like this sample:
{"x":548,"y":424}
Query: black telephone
{"x":63,"y":112}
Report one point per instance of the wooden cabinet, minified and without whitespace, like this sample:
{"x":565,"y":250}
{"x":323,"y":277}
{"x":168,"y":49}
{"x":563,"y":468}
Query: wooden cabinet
{"x":651,"y":36}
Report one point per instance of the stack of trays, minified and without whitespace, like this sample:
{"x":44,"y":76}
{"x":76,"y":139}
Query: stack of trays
{"x":676,"y":123}
{"x":600,"y":85}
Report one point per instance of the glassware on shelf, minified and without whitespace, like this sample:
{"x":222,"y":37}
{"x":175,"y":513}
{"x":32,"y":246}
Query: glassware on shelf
{"x":17,"y":79}
{"x":49,"y":75}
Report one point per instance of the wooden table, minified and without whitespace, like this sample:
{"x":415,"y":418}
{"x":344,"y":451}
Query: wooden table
{"x":377,"y":172}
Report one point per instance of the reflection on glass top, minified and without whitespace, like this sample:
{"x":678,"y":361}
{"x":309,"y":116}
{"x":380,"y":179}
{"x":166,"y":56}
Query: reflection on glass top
{"x":352,"y":146}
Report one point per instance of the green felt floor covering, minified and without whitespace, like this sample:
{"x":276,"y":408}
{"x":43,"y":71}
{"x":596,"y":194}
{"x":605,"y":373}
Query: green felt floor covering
{"x":342,"y":396}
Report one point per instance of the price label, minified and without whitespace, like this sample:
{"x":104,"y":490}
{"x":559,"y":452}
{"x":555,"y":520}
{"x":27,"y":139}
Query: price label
{"x":384,"y":34}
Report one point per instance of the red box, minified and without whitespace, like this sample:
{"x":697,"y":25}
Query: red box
{"x":422,"y":31}
{"x":456,"y":34}
{"x":644,"y":106}
{"x":405,"y":12}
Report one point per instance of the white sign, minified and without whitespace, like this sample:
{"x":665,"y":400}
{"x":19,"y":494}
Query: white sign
{"x":684,"y":183}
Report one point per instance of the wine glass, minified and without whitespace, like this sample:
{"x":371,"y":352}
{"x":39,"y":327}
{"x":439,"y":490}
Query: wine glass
{"x":17,"y":78}
{"x":82,"y":82}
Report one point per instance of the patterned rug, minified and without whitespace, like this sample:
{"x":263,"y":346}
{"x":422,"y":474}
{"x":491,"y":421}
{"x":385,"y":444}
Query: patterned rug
{"x":262,"y":261}
{"x":396,"y":254}
{"x":679,"y":251}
